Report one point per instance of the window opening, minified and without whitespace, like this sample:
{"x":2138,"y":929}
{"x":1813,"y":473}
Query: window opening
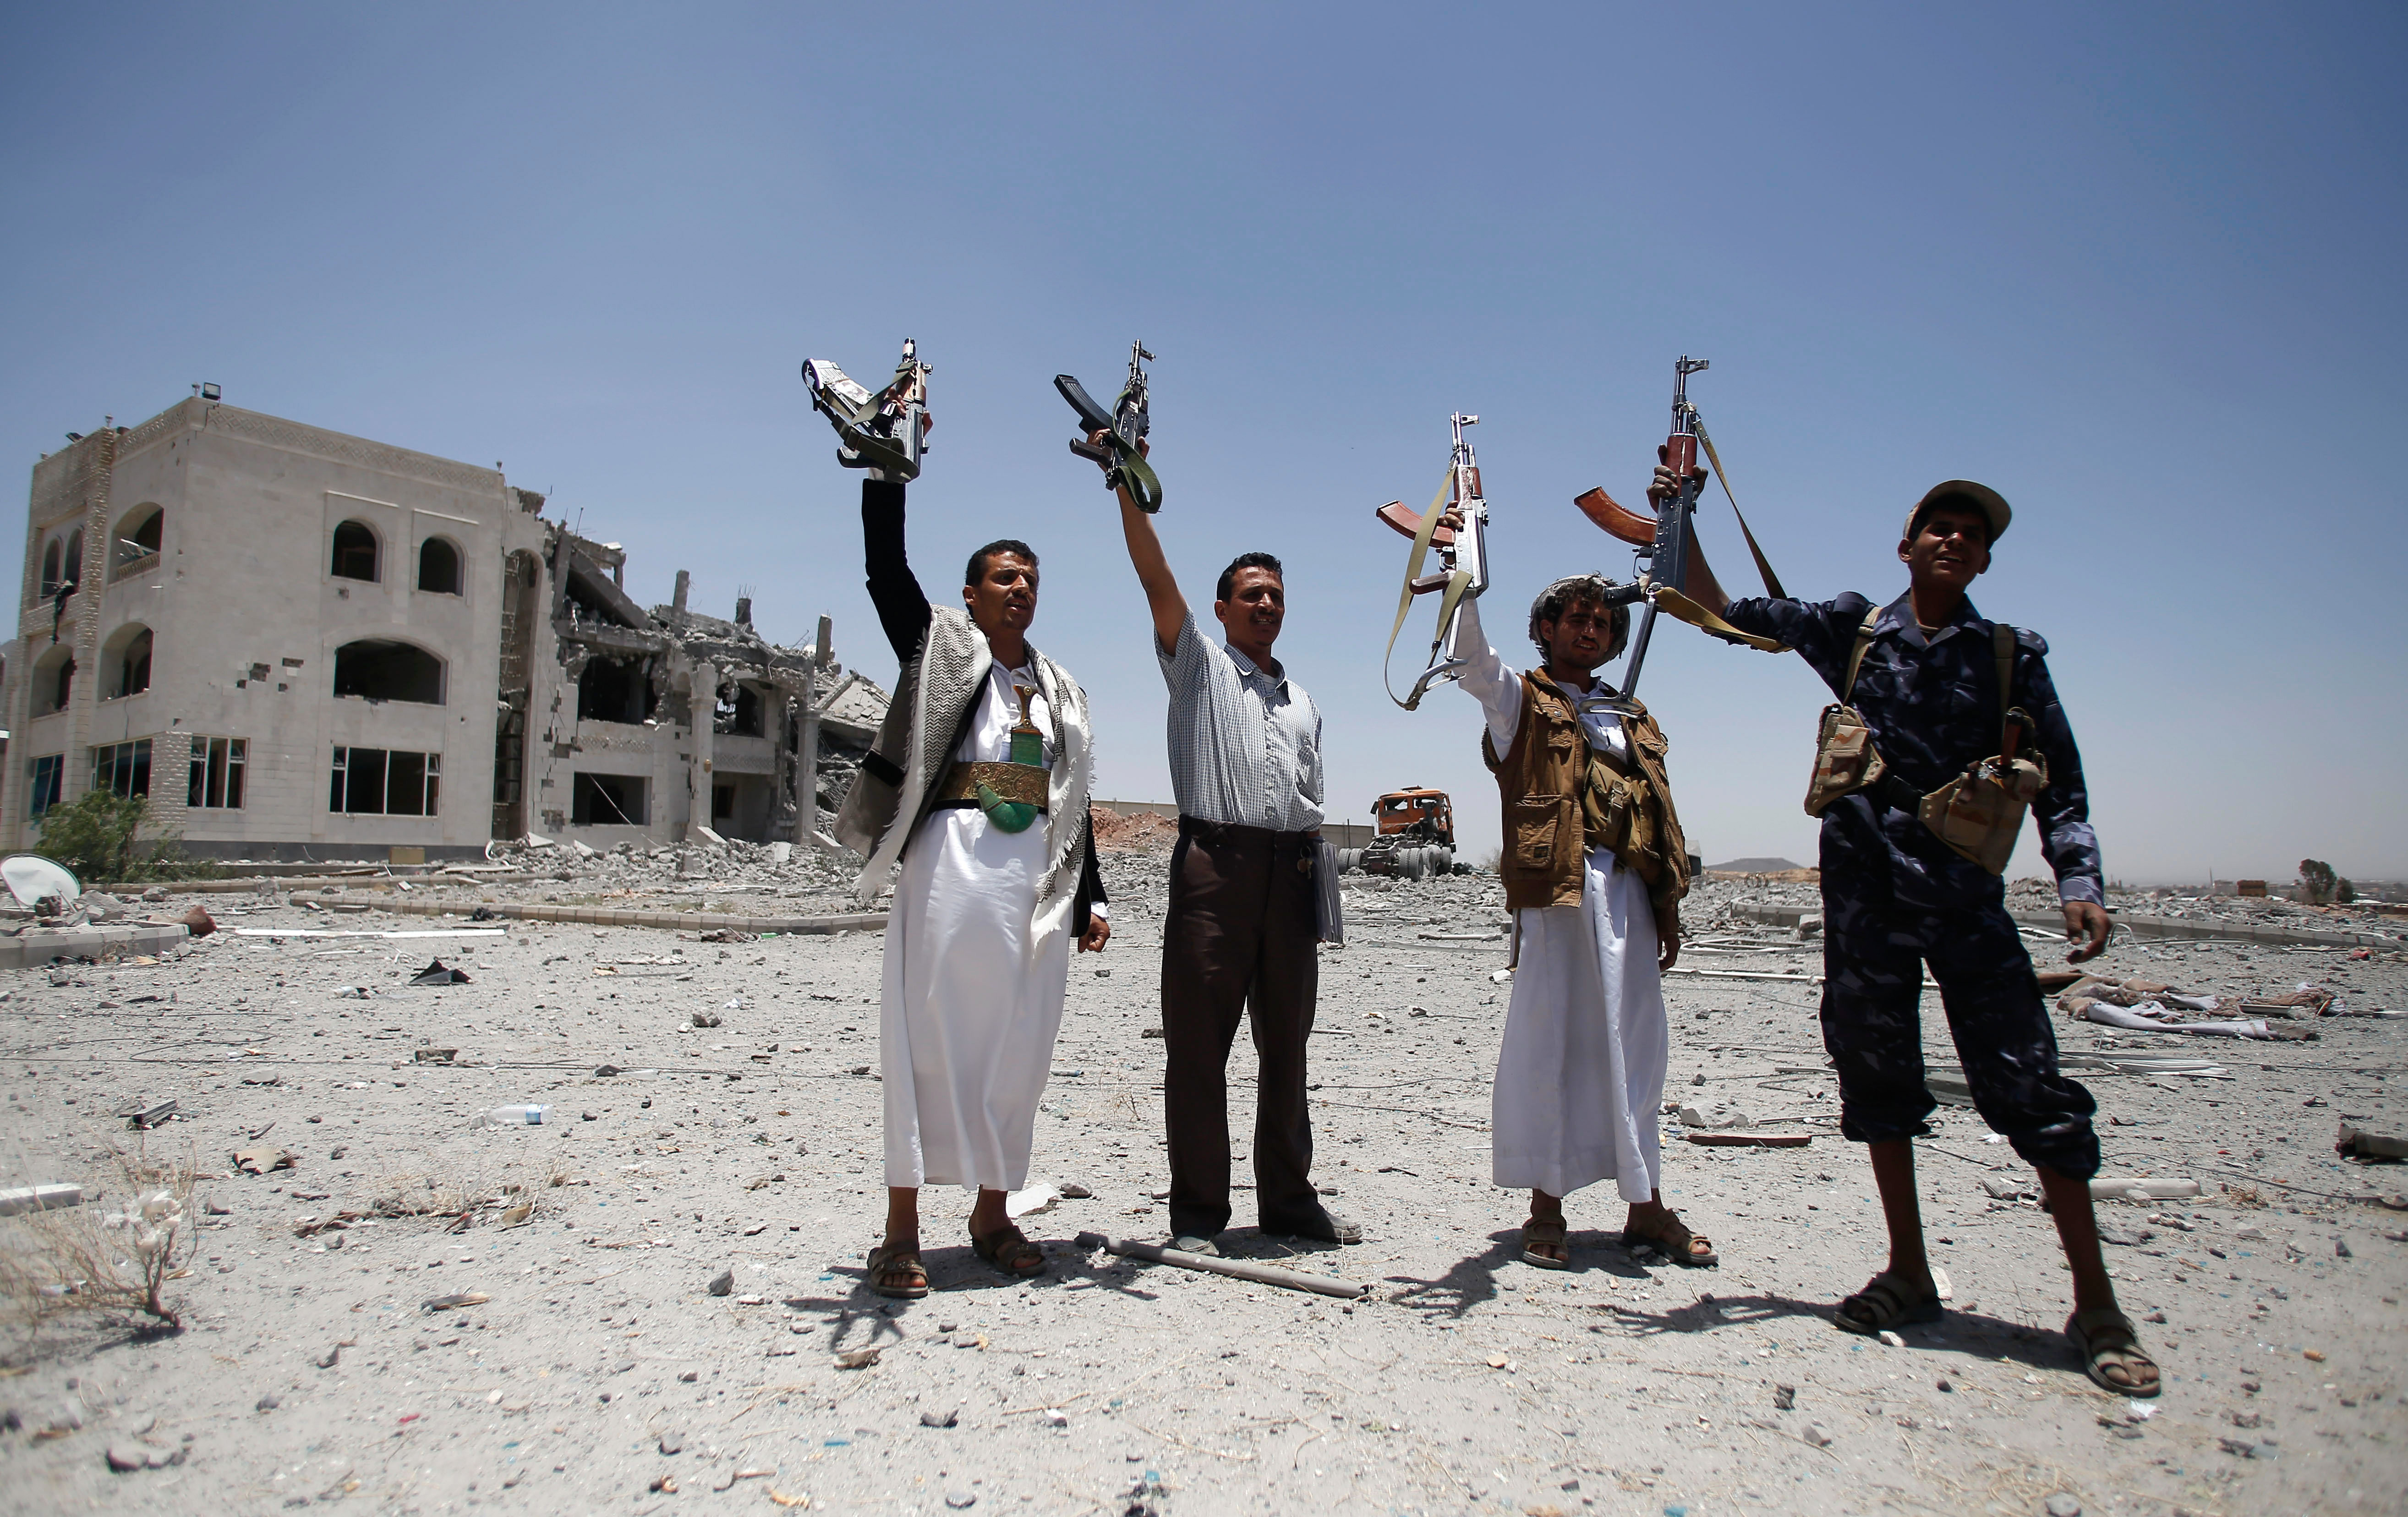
{"x":123,"y":769}
{"x":722,"y":802}
{"x":44,"y":774}
{"x":737,"y":712}
{"x":217,"y":772}
{"x":380,"y":782}
{"x":64,"y":686}
{"x":377,"y":670}
{"x":134,"y":667}
{"x":138,"y":550}
{"x":355,"y":551}
{"x":71,"y":571}
{"x":438,"y":567}
{"x":51,"y":580}
{"x":615,"y":690}
{"x":607,"y":800}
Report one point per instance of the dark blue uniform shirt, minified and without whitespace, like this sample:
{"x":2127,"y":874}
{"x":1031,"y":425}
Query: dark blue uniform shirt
{"x":1933,"y":708}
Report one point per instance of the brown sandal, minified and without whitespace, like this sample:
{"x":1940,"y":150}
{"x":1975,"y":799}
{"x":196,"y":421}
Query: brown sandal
{"x":896,"y":1272}
{"x":2105,"y":1338}
{"x":1693,"y":1250}
{"x":1008,"y":1249}
{"x":1546,"y":1232}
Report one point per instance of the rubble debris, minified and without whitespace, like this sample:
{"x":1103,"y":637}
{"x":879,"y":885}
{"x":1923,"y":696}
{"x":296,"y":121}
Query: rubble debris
{"x":525,"y":1114}
{"x":142,"y":1113}
{"x":260,"y":1160}
{"x":2120,"y":1188}
{"x":2358,"y":1143}
{"x":440,"y":973}
{"x":22,"y":1198}
{"x":721,"y":1283}
{"x":435,"y":1055}
{"x":198,"y":921}
{"x":454,"y":1302}
{"x":857,"y":1358}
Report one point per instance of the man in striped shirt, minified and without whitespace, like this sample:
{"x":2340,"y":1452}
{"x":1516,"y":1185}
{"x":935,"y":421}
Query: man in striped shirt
{"x":1245,"y":768}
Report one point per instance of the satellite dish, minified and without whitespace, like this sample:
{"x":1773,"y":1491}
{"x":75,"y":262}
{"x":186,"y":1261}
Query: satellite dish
{"x":30,"y":877}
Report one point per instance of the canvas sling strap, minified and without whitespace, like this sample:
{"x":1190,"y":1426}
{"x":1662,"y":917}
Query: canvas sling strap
{"x":1456,"y":583}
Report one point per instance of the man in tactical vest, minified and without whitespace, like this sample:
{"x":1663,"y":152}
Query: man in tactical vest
{"x":1947,"y":726}
{"x":1595,"y":867}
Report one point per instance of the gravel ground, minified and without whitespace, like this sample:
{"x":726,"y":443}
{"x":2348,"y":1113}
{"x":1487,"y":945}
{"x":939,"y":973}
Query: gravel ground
{"x":603,"y":1376}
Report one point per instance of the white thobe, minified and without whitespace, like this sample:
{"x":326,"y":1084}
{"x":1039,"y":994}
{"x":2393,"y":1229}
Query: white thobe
{"x":972,"y":1000}
{"x":1580,"y":1077}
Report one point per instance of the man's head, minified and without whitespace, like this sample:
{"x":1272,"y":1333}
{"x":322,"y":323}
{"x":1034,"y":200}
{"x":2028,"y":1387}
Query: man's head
{"x":1251,"y":600}
{"x":1946,"y":545}
{"x":999,"y":586}
{"x":1574,"y":624}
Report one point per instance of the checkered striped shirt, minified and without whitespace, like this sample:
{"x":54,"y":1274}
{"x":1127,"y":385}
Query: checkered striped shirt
{"x":1245,"y":745}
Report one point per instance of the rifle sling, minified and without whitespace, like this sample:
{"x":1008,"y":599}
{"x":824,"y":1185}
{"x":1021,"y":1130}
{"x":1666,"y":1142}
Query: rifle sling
{"x":1413,"y":571}
{"x":1763,"y":566}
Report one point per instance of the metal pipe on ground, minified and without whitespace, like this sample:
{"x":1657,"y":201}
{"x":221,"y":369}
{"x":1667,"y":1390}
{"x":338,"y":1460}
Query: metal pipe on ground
{"x":1246,"y":1269}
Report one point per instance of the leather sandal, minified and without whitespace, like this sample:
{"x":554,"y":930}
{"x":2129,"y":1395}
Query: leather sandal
{"x":896,"y":1271}
{"x":1693,"y":1250}
{"x":1008,"y":1249}
{"x":1884,"y":1303}
{"x":1544,"y":1232}
{"x":2105,"y":1338}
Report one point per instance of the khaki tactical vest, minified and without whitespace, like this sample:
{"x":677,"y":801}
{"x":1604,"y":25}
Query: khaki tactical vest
{"x":1561,"y":796}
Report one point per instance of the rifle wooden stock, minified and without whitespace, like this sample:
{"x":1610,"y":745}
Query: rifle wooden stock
{"x":1637,"y":530}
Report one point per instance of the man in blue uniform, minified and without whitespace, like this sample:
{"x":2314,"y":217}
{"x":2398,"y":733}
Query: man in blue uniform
{"x":1923,"y":673}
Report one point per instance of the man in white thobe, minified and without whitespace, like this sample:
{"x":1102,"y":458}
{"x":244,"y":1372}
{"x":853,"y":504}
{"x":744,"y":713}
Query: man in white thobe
{"x":1595,"y":867}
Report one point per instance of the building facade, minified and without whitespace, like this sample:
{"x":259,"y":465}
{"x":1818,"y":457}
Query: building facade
{"x":299,"y":644}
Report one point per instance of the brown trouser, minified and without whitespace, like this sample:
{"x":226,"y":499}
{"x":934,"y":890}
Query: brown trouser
{"x":1240,"y":932}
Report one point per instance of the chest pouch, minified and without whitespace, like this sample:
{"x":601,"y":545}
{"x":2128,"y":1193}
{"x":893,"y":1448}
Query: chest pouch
{"x":1980,"y":812}
{"x":1845,"y":760}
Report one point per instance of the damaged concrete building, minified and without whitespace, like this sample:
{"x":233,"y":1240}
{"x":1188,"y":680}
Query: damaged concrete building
{"x":299,"y":644}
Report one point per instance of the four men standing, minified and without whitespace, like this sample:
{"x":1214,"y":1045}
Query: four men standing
{"x":979,"y":786}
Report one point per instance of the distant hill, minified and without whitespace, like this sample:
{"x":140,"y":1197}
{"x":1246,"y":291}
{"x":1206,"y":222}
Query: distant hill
{"x":1754,"y":866}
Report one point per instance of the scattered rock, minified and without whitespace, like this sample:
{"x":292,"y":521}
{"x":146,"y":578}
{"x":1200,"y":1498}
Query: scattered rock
{"x":671,"y":1443}
{"x":856,"y":1358}
{"x":266,"y":1403}
{"x":1056,"y":1417}
{"x":1945,"y":1386}
{"x":1815,"y":1436}
{"x":122,"y":1457}
{"x":200,"y":923}
{"x":327,"y":1360}
{"x":1785,"y":1397}
{"x":940,"y":1419}
{"x":723,"y":1283}
{"x":2061,"y":1505}
{"x":960,"y":1500}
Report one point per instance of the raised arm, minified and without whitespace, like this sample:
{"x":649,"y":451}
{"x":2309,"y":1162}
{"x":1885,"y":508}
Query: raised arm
{"x":894,"y":589}
{"x":1162,"y":596}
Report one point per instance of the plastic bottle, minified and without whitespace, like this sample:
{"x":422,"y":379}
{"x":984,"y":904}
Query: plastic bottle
{"x":528,"y":1115}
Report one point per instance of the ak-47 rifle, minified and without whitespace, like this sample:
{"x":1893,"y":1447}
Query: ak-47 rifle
{"x":886,"y":431}
{"x":1672,"y":571}
{"x":1463,"y":559}
{"x":1124,"y":428}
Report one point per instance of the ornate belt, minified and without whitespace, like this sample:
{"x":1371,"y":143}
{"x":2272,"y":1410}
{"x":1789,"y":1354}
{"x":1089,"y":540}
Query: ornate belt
{"x":1023,"y":784}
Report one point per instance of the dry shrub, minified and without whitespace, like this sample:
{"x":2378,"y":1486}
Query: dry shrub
{"x":97,"y":1257}
{"x":2243,"y":1195}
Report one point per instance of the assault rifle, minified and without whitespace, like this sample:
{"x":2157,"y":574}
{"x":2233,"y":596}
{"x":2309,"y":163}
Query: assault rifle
{"x":1124,"y":428}
{"x":886,"y":431}
{"x":1463,"y":559}
{"x":1672,"y":571}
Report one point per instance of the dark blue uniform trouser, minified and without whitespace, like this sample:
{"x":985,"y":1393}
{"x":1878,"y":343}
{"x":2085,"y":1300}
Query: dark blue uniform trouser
{"x":1873,"y":954}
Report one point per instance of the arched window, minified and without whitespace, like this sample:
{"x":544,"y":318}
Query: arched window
{"x":139,"y":537}
{"x":438,"y":567}
{"x":71,"y":572}
{"x":51,"y":580}
{"x":377,"y":670}
{"x":355,"y":551}
{"x":53,"y":680}
{"x":125,"y":662}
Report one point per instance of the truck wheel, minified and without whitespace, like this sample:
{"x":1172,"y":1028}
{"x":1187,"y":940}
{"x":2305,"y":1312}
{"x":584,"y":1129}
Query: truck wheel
{"x":1348,"y":858}
{"x":1442,"y":860}
{"x":1415,"y":862}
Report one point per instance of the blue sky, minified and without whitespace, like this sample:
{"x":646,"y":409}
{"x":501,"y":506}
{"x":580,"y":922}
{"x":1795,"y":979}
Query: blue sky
{"x":2136,"y":266}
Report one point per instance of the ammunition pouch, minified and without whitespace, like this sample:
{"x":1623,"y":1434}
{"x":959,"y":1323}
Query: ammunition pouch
{"x":1978,"y":814}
